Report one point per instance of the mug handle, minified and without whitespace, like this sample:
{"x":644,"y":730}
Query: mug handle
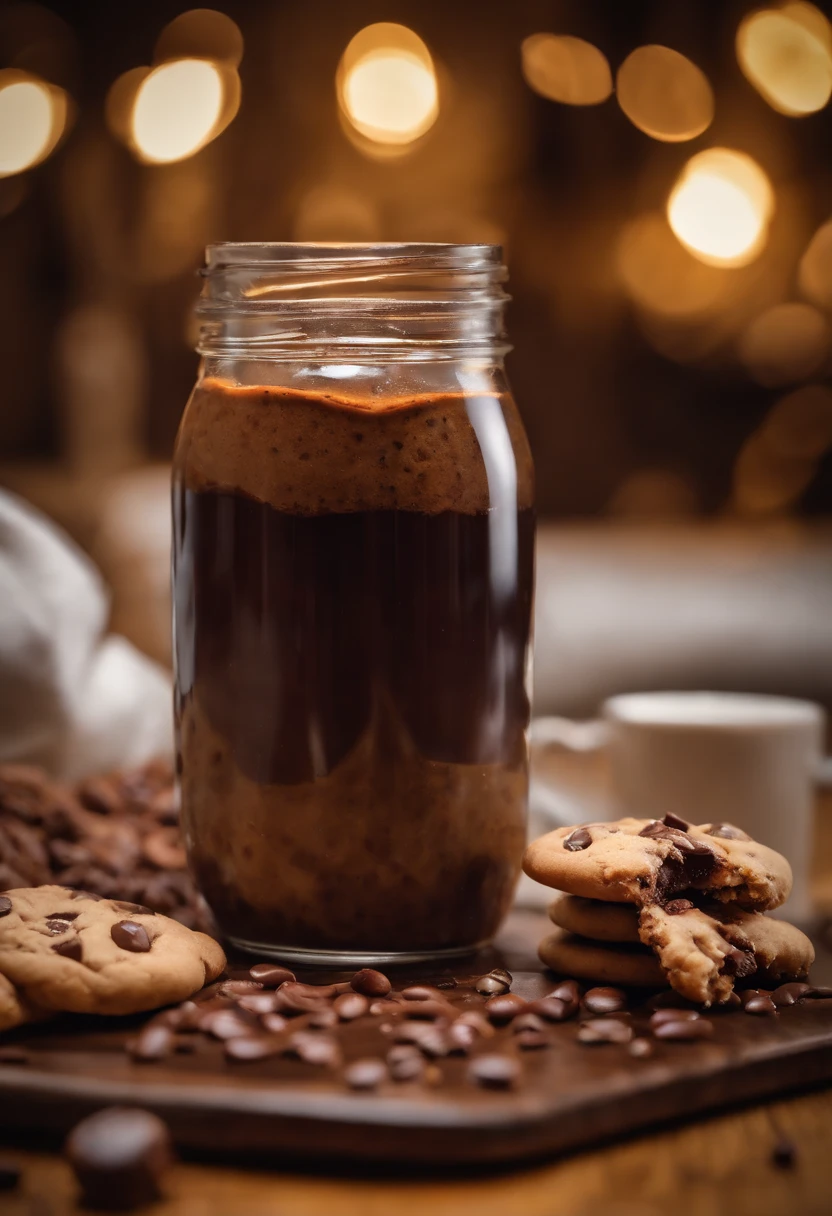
{"x":563,"y":734}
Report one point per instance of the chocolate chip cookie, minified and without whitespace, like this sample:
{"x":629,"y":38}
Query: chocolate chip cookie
{"x":643,"y":861}
{"x":607,"y":963}
{"x":64,"y":950}
{"x":601,"y":921}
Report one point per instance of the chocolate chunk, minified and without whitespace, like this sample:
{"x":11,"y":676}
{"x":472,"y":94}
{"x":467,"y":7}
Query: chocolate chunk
{"x":370,"y":983}
{"x":461,"y":1038}
{"x":366,"y":1074}
{"x":382,"y":1007}
{"x":405,"y":1063}
{"x":274,"y":1023}
{"x":552,"y":1009}
{"x":489,"y":985}
{"x":759,"y":1005}
{"x":816,"y":993}
{"x":66,"y":917}
{"x":258,"y":1002}
{"x":428,"y":1037}
{"x":225,"y":1023}
{"x":577,"y":840}
{"x":569,"y":991}
{"x":5,"y":905}
{"x":673,"y":821}
{"x":137,"y":909}
{"x":661,"y":1016}
{"x":130,"y":936}
{"x":78,"y":894}
{"x":422,"y":992}
{"x":10,"y":1174}
{"x":727,"y":831}
{"x":350,"y":1005}
{"x":527,"y":1021}
{"x":684,"y":1031}
{"x":531,"y":1040}
{"x":479,"y":1024}
{"x":494,"y":1071}
{"x":270,"y":975}
{"x":740,"y":963}
{"x":605,"y":1000}
{"x":605,"y":1030}
{"x":299,"y":998}
{"x":119,"y":1156}
{"x":71,"y":948}
{"x":641,"y":1049}
{"x":501,"y":1009}
{"x":313,"y":1047}
{"x":14,"y":1055}
{"x":501,"y":974}
{"x":426,"y":1010}
{"x":238,"y":988}
{"x":676,"y":907}
{"x":789,"y":994}
{"x":154,"y":1042}
{"x":251,"y":1047}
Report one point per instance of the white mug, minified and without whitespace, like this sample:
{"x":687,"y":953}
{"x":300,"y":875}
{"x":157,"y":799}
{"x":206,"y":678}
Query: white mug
{"x":705,"y":756}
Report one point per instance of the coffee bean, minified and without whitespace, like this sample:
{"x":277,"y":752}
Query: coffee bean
{"x":479,"y":1024}
{"x":366,"y":1074}
{"x":5,"y":905}
{"x":527,"y":1021}
{"x":423,"y":992}
{"x":14,"y":1055}
{"x":726,"y":831}
{"x":641,"y":1048}
{"x":605,"y":1000}
{"x":577,"y":840}
{"x":62,"y":917}
{"x":760,"y":1005}
{"x":501,"y":1009}
{"x":494,"y":1071}
{"x":531,"y":1040}
{"x":501,"y":974}
{"x":119,"y":1156}
{"x":10,"y":1174}
{"x":604,"y":1030}
{"x":569,"y":991}
{"x":154,"y":1042}
{"x":136,"y":909}
{"x":251,"y":1047}
{"x":676,"y":907}
{"x":270,"y":975}
{"x":273,"y":1022}
{"x":350,"y":1005}
{"x":313,"y":1047}
{"x":130,"y":936}
{"x":552,"y":1009}
{"x":461,"y":1038}
{"x":673,"y":821}
{"x":673,"y":1015}
{"x":489,"y":985}
{"x":684,"y":1032}
{"x":370,"y":983}
{"x":258,"y":1002}
{"x":236,"y":988}
{"x":71,"y":948}
{"x":789,"y":994}
{"x":405,"y":1063}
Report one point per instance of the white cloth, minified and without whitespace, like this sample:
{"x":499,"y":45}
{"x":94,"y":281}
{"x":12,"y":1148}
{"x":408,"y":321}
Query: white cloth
{"x":71,"y":698}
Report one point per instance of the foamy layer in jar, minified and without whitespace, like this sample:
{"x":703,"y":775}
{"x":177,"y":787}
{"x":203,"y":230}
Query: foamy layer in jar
{"x":310,"y":453}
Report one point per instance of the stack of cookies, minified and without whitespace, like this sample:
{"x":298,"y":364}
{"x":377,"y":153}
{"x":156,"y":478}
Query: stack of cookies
{"x":648,"y":903}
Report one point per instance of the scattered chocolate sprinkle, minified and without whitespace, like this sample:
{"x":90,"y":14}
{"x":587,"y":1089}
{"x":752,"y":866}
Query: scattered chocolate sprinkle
{"x":579,"y":839}
{"x":784,"y":1153}
{"x":258,"y":1002}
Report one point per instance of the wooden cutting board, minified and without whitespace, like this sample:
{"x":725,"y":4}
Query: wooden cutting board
{"x":571,"y":1096}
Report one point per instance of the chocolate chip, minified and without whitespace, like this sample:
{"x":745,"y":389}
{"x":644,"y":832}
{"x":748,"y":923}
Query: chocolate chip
{"x":119,"y":1156}
{"x":461,"y":1038}
{"x":137,"y":909}
{"x":527,"y":1021}
{"x":382,"y":1007}
{"x":293,"y":997}
{"x":130,"y":936}
{"x":789,"y":994}
{"x":71,"y":948}
{"x":726,"y":831}
{"x":605,"y":1030}
{"x":428,"y":1037}
{"x":350,"y":1005}
{"x":531,"y":1040}
{"x":251,"y":1047}
{"x":224,"y":1024}
{"x":273,"y":1022}
{"x":552,"y":1009}
{"x":577,"y":840}
{"x":370,"y":983}
{"x":673,"y":821}
{"x":426,"y":1010}
{"x":422,"y":992}
{"x":740,"y":963}
{"x":5,"y":905}
{"x":684,"y":1031}
{"x":258,"y":1002}
{"x":501,"y":974}
{"x":77,"y":894}
{"x":641,"y":1048}
{"x":605,"y":1000}
{"x":154,"y":1042}
{"x":673,"y":1015}
{"x":14,"y":1055}
{"x":405,"y":1063}
{"x":759,"y":1005}
{"x":270,"y":975}
{"x":366,"y":1074}
{"x":238,"y":988}
{"x":501,"y":1009}
{"x":567,"y":990}
{"x":313,"y":1047}
{"x":479,"y":1024}
{"x":676,"y":907}
{"x":489,"y":985}
{"x":66,"y":917}
{"x":10,"y":1174}
{"x":494,"y":1071}
{"x":818,"y":993}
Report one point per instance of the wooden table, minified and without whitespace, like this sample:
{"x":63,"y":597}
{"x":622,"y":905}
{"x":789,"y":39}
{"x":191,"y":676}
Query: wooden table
{"x":721,"y":1166}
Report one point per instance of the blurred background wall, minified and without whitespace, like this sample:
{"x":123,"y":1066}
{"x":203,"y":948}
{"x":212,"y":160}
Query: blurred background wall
{"x":659,"y":174}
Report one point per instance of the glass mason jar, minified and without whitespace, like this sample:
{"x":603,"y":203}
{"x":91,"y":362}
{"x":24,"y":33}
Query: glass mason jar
{"x":353,"y":575}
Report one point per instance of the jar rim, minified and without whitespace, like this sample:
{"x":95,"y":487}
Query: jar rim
{"x":427,"y":254}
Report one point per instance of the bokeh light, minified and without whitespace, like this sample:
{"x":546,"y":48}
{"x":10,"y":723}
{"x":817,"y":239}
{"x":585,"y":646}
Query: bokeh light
{"x":201,"y":33}
{"x":799,"y":426}
{"x":177,"y":109}
{"x":386,"y":85}
{"x":815,"y":271}
{"x":660,"y":275}
{"x":720,"y":207}
{"x":566,"y":69}
{"x":664,"y":94}
{"x":786,"y":54}
{"x":786,"y":343}
{"x":33,"y":117}
{"x":766,"y":481}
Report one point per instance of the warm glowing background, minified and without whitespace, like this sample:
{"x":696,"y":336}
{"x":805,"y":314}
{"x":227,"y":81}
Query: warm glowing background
{"x":659,"y":174}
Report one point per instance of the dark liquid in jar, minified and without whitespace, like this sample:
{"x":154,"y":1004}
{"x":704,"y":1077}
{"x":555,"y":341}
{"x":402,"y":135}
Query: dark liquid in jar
{"x":351,"y":688}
